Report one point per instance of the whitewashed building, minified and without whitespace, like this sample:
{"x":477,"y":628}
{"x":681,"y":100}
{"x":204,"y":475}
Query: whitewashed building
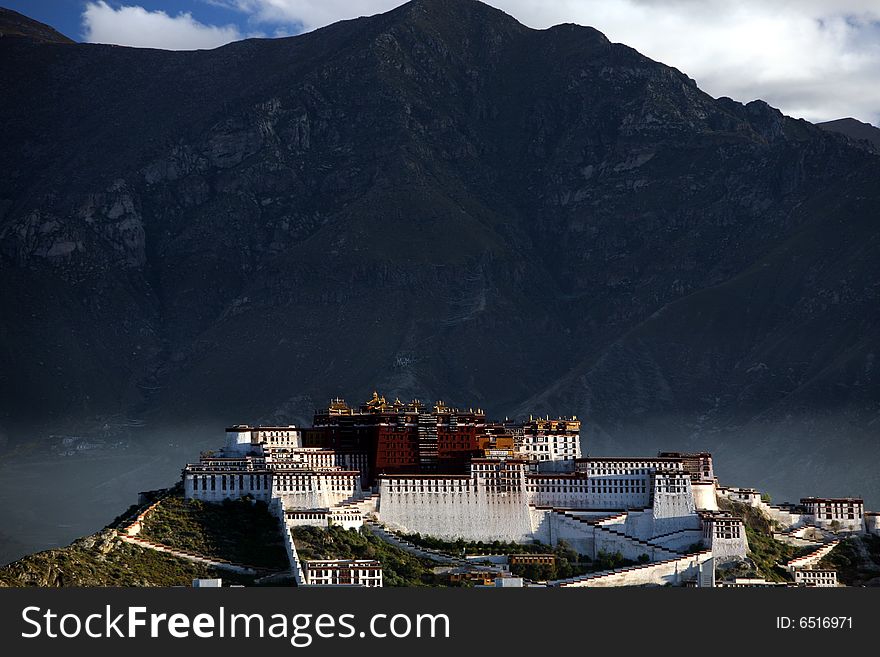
{"x":725,"y":535}
{"x":553,"y":444}
{"x":653,"y":510}
{"x":841,"y":513}
{"x":343,"y":572}
{"x":815,"y":577}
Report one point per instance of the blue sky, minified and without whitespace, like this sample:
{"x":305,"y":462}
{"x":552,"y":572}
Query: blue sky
{"x":66,"y":16}
{"x":814,"y":59}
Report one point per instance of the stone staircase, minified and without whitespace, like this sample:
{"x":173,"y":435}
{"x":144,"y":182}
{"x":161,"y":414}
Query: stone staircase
{"x":653,"y":549}
{"x":797,"y":536}
{"x":214,"y":562}
{"x":812,"y":558}
{"x":364,"y":504}
{"x":618,"y":519}
{"x":633,"y":572}
{"x":130,"y":533}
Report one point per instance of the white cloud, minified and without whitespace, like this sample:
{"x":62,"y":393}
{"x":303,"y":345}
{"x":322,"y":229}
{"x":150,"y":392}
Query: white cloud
{"x":814,"y":59}
{"x":308,"y":14}
{"x":135,"y":26}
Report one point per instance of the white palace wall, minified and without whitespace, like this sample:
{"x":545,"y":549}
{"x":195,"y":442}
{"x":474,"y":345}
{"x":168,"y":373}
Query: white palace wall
{"x":705,"y":497}
{"x":680,"y":540}
{"x":552,"y":527}
{"x":315,"y":490}
{"x":639,"y":524}
{"x":276,"y":506}
{"x":216,"y":486}
{"x":554,"y":489}
{"x":726,"y":549}
{"x":533,"y":508}
{"x":455,"y":507}
{"x":674,"y":507}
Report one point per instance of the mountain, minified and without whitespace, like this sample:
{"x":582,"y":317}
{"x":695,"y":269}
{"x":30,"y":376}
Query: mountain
{"x":14,"y":24}
{"x":854,"y":129}
{"x":437,"y":202}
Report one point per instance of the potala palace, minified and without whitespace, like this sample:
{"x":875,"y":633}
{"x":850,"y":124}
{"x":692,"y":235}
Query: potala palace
{"x":437,"y":471}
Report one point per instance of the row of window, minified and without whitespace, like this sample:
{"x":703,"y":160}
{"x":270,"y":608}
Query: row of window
{"x":305,"y":515}
{"x":228,"y":482}
{"x":300,"y":484}
{"x":653,"y":465}
{"x":433,"y":486}
{"x":363,"y":580}
{"x":725,"y":532}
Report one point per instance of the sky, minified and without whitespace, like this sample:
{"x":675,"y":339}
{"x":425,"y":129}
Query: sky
{"x":813,"y":59}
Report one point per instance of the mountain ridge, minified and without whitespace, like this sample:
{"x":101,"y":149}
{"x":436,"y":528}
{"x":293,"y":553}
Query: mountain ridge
{"x":15,"y":24}
{"x":854,"y":129}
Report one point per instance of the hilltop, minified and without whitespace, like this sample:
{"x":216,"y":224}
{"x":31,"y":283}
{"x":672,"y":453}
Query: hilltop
{"x":17,"y":25}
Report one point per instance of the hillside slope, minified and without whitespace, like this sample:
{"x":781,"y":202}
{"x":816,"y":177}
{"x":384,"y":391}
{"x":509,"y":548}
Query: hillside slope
{"x":103,"y":560}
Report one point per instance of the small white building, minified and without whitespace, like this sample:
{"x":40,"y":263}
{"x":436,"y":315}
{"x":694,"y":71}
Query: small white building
{"x":748,"y":496}
{"x":725,"y":535}
{"x":872,"y":522}
{"x":815,"y":577}
{"x":287,"y":436}
{"x":343,"y":572}
{"x":836,"y":513}
{"x":553,"y":444}
{"x":221,"y":477}
{"x":345,"y":517}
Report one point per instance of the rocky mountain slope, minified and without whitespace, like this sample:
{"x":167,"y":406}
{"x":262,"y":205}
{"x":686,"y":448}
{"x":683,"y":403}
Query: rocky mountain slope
{"x":854,"y":129}
{"x":102,"y":559}
{"x":14,"y":24}
{"x":437,"y":202}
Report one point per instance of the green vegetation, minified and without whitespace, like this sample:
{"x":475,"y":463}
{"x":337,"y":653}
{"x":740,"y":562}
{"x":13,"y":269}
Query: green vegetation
{"x":568,"y":562}
{"x":766,"y":553}
{"x":399,"y":568}
{"x":461,"y":547}
{"x":241,"y":531}
{"x":856,"y":560}
{"x":104,"y":560}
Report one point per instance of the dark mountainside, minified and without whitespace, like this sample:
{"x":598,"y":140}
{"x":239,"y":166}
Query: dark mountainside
{"x":14,"y":24}
{"x":436,"y":202}
{"x":854,"y":129}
